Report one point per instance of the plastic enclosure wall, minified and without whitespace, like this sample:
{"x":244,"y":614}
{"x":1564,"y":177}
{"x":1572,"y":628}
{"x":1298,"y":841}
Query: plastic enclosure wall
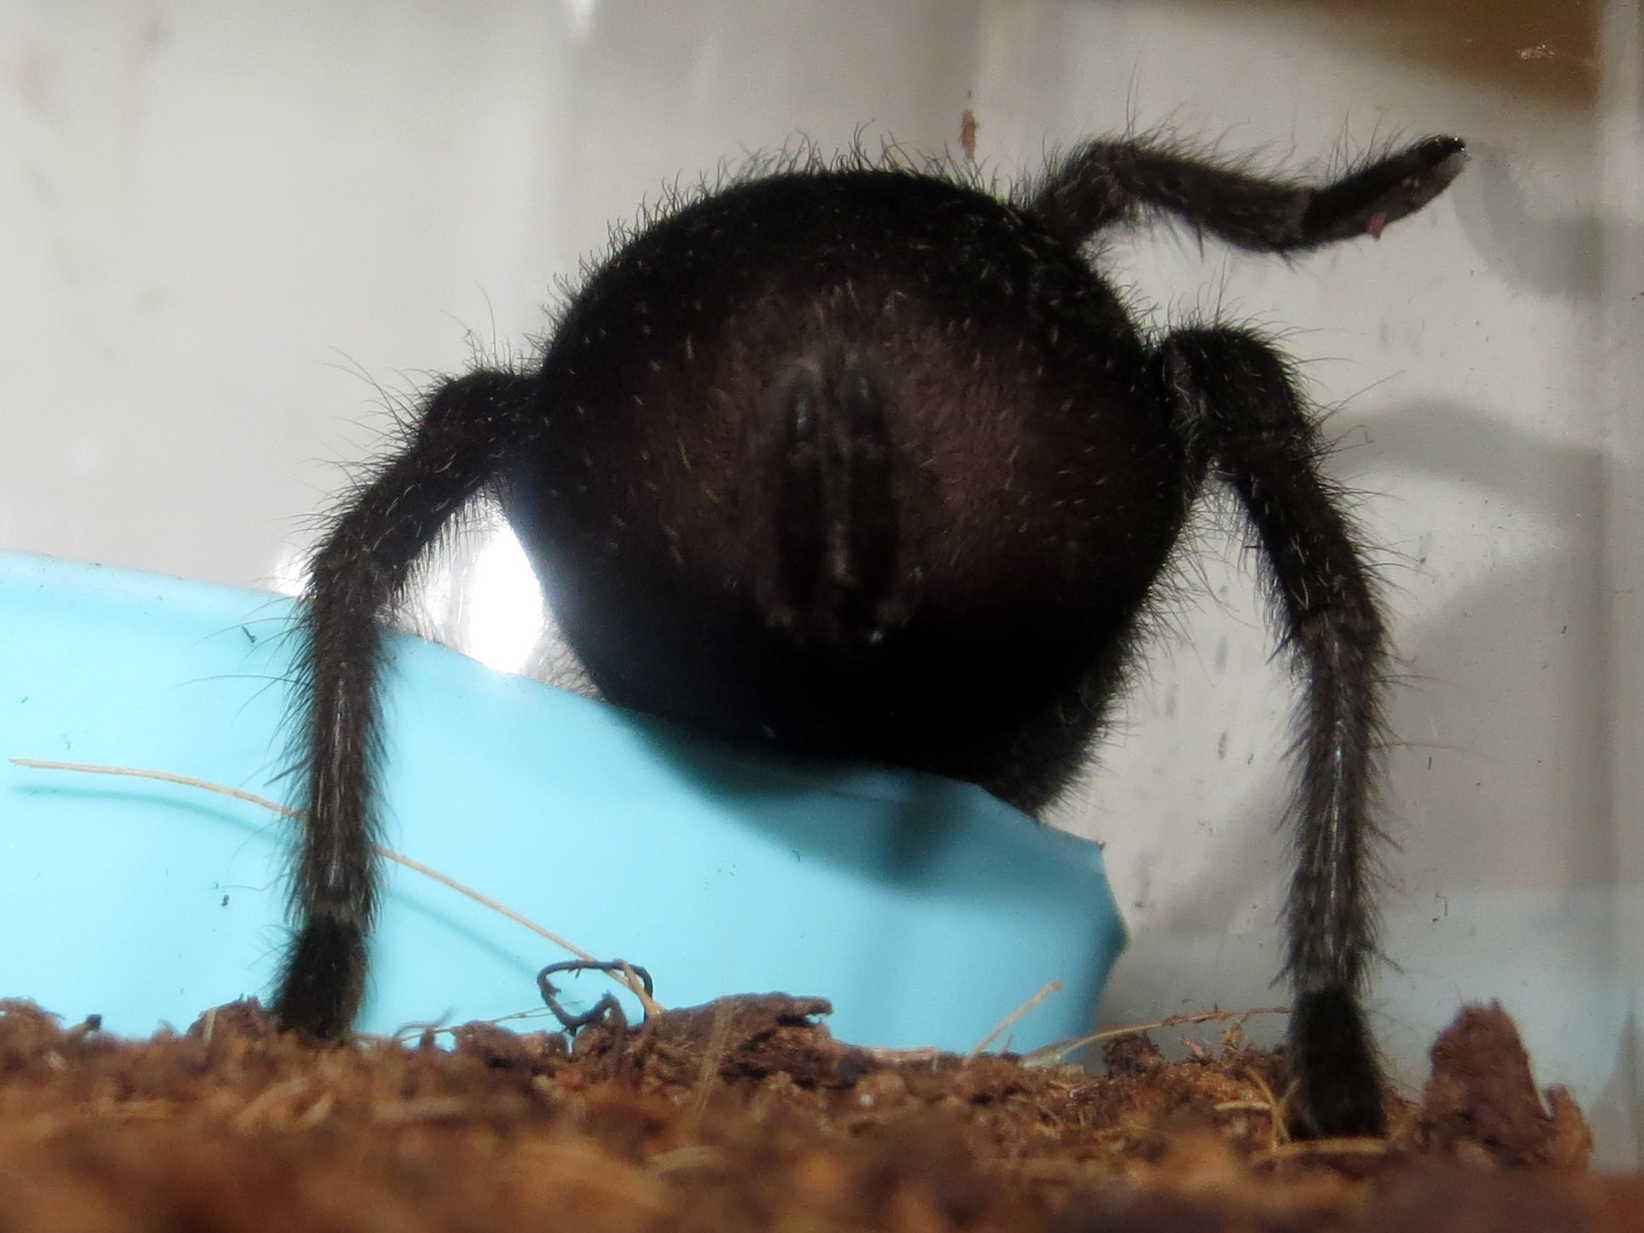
{"x":223,"y":226}
{"x":925,"y":910}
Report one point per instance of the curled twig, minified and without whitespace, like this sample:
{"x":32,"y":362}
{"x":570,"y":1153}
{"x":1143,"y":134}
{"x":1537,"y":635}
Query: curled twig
{"x":607,"y":1007}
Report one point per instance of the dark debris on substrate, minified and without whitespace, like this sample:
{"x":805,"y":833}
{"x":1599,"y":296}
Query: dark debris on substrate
{"x":747,"y":1115}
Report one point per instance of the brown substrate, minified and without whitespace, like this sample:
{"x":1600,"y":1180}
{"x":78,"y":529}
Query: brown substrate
{"x":745,"y":1115}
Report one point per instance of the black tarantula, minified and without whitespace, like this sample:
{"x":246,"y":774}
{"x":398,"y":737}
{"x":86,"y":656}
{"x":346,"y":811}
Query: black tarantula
{"x":865,"y":462}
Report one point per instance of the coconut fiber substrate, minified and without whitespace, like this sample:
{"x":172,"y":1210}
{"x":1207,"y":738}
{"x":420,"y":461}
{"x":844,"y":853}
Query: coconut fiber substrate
{"x":747,"y":1115}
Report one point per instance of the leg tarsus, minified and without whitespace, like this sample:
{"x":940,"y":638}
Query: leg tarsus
{"x":1338,"y":1079}
{"x":1384,"y":192}
{"x":323,"y":980}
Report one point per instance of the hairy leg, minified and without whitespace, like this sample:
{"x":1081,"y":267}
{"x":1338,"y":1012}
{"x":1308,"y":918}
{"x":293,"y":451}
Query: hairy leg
{"x":1108,"y":182}
{"x":1240,"y":406}
{"x":357,"y":577}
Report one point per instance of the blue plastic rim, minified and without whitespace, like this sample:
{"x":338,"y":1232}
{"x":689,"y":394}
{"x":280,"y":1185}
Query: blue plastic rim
{"x":925,"y":910}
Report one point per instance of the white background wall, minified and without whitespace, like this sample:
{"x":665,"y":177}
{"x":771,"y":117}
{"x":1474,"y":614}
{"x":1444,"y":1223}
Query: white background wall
{"x":229,"y":229}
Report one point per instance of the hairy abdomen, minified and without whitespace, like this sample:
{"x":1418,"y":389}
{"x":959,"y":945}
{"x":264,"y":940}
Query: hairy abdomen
{"x":844,"y":516}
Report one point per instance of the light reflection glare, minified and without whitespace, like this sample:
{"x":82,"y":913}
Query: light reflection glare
{"x":503,"y":615}
{"x":581,"y":13}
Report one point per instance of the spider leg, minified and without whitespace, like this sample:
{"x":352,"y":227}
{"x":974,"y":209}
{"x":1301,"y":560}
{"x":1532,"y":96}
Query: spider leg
{"x":1242,"y":411}
{"x":358,"y":574}
{"x":1107,"y":182}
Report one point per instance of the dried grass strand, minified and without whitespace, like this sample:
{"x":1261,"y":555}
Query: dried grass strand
{"x":1009,"y":1020}
{"x":628,"y":979}
{"x":1055,"y":1053}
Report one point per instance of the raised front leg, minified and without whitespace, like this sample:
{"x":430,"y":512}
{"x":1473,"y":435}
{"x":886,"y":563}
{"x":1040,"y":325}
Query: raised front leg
{"x":1108,"y":182}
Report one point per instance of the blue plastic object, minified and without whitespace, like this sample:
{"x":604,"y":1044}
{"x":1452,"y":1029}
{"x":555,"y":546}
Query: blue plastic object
{"x":924,"y":909}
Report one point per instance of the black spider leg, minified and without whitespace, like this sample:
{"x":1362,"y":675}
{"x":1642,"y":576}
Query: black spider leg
{"x":1241,"y":411}
{"x":1107,"y":182}
{"x":358,"y":575}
